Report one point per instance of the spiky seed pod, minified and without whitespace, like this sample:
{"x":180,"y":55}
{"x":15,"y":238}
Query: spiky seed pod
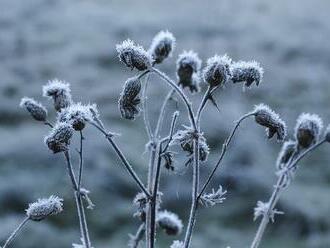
{"x":77,"y":115}
{"x":177,"y":244}
{"x":36,"y":109}
{"x":162,"y":46}
{"x":217,"y":70}
{"x":308,"y":129}
{"x":43,"y":208}
{"x":247,"y":72}
{"x":266,"y":117}
{"x":129,"y":99}
{"x":60,"y":92}
{"x":327,"y":134}
{"x":133,"y":56}
{"x":59,"y":137}
{"x":188,"y":68}
{"x":288,"y":148}
{"x":169,"y":222}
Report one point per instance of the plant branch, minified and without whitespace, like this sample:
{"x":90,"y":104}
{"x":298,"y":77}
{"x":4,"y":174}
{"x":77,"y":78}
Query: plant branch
{"x":135,"y":240}
{"x":145,"y":109}
{"x":15,"y":232}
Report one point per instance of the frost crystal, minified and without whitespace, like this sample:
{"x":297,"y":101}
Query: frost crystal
{"x":285,"y":154}
{"x":59,"y":137}
{"x":60,"y":92}
{"x":308,"y":129}
{"x":262,"y":208}
{"x":129,"y":99}
{"x":211,"y":199}
{"x":177,"y":244}
{"x":266,"y":117}
{"x":170,"y":222}
{"x":37,"y":111}
{"x":162,"y":46}
{"x":134,"y":56}
{"x":43,"y":208}
{"x":188,"y":68}
{"x":247,"y":72}
{"x":217,"y":70}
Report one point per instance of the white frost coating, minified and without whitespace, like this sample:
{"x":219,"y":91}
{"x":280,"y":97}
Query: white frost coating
{"x":45,"y":207}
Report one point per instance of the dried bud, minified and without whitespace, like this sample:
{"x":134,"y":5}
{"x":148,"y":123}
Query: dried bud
{"x":129,"y":99}
{"x":169,"y":222}
{"x":37,"y":111}
{"x":247,"y":72}
{"x":327,"y":134}
{"x":177,"y":244}
{"x":213,"y":198}
{"x":217,"y":70}
{"x":60,"y":92}
{"x":288,"y":148}
{"x":162,"y":46}
{"x":308,"y":129}
{"x":43,"y":208}
{"x":134,"y":56}
{"x":76,"y":115}
{"x":59,"y":138}
{"x":266,"y":117}
{"x":262,"y":208}
{"x":188,"y":68}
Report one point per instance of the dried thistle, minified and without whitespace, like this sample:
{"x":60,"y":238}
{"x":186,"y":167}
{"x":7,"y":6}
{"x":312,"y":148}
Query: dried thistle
{"x":129,"y":99}
{"x":213,"y":198}
{"x":262,"y":209}
{"x":288,"y":149}
{"x":247,"y":72}
{"x":188,"y":68}
{"x":43,"y":208}
{"x":59,"y":91}
{"x":169,"y":222}
{"x":36,"y":109}
{"x":266,"y":117}
{"x":162,"y":46}
{"x":134,"y":56}
{"x":217,"y":71}
{"x":308,"y":129}
{"x":59,"y":137}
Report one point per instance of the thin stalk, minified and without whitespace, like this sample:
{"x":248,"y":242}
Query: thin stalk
{"x":15,"y":232}
{"x":223,"y":152}
{"x":145,"y":108}
{"x":80,"y":160}
{"x":47,"y":123}
{"x":202,"y":105}
{"x":135,"y":240}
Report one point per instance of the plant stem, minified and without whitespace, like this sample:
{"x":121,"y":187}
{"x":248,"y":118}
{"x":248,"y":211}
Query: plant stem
{"x":202,"y":105}
{"x":135,"y":240}
{"x":80,"y":161}
{"x":15,"y":232}
{"x":223,"y":152}
{"x":145,"y":109}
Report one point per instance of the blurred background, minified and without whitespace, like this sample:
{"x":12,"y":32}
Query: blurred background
{"x":75,"y":41}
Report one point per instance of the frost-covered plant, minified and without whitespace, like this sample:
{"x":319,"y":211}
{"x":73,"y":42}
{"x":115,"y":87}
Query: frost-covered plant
{"x":73,"y":118}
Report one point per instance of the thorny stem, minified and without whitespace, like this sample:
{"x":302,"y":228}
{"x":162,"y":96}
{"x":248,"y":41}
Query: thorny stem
{"x":276,"y":195}
{"x":79,"y":202}
{"x":135,"y":240}
{"x":127,"y":165}
{"x":145,"y":109}
{"x":223,"y":152}
{"x":15,"y":232}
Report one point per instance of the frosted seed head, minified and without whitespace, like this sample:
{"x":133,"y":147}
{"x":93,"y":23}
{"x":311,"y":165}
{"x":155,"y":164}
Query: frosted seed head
{"x":247,"y":72}
{"x":162,"y":46}
{"x":177,"y":244}
{"x":288,"y":148}
{"x":308,"y":129}
{"x":217,"y":70}
{"x":188,"y":68}
{"x":43,"y":208}
{"x":169,"y":222}
{"x":266,"y":117}
{"x":36,"y":109}
{"x":129,"y":99}
{"x":133,"y":56}
{"x":59,"y":138}
{"x":60,"y":92}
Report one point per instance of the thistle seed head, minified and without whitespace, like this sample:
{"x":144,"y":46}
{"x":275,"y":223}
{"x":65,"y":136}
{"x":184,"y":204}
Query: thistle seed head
{"x":188,"y":68}
{"x":162,"y":46}
{"x":133,"y":56}
{"x":60,"y":92}
{"x":247,"y":72}
{"x":308,"y":129}
{"x":266,"y":117}
{"x":177,"y":244}
{"x":129,"y":99}
{"x":36,"y":109}
{"x":288,"y":148}
{"x":217,"y":70}
{"x":59,"y":138}
{"x":169,"y":222}
{"x":43,"y":208}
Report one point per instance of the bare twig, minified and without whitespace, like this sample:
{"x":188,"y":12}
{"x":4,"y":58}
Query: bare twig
{"x":15,"y":232}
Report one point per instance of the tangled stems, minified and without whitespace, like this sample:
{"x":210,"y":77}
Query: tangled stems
{"x":15,"y":232}
{"x":278,"y":188}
